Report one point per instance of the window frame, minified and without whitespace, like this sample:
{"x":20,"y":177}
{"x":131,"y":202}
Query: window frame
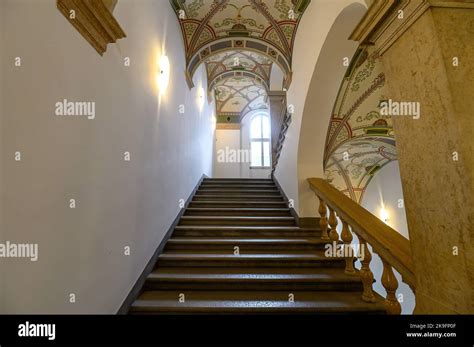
{"x":262,"y":139}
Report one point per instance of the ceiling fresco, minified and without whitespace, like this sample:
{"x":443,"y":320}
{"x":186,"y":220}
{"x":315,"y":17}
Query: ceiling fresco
{"x":232,"y":63}
{"x":360,"y":141}
{"x":239,"y":41}
{"x":213,"y":26}
{"x":239,"y":95}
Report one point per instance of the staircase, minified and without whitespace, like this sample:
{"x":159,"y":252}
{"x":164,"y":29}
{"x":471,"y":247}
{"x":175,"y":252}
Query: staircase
{"x":237,"y":249}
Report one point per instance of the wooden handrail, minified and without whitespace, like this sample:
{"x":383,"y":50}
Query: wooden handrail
{"x":392,"y":247}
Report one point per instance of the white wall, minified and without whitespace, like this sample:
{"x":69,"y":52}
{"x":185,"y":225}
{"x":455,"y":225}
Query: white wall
{"x":315,"y":25}
{"x":237,"y":140}
{"x":119,"y":203}
{"x":227,"y":140}
{"x":385,"y":189}
{"x":276,"y":78}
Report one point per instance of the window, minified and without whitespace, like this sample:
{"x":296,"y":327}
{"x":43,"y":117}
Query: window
{"x":260,"y":141}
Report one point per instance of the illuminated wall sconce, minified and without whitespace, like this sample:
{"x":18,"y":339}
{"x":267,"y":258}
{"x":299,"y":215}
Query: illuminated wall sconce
{"x":201,"y":97}
{"x":384,"y":216}
{"x":163,"y":73}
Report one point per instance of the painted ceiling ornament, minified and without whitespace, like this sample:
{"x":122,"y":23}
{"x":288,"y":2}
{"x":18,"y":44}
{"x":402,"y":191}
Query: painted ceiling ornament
{"x":360,"y":140}
{"x":268,"y":26}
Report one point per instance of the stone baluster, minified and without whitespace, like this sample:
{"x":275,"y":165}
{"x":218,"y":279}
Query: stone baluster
{"x":333,"y":235}
{"x":323,"y":222}
{"x":346,"y":236}
{"x":366,"y":274}
{"x":390,"y":283}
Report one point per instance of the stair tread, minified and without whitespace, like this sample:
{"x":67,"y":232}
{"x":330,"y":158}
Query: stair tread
{"x":232,"y":241}
{"x":209,"y":179}
{"x":229,"y":195}
{"x":236,"y":190}
{"x":243,"y":227}
{"x":237,"y":185}
{"x":239,"y":191}
{"x":238,"y":217}
{"x":250,"y":209}
{"x":253,"y":301}
{"x":252,"y":271}
{"x":257,"y":256}
{"x":224,"y":202}
{"x":239,"y":275}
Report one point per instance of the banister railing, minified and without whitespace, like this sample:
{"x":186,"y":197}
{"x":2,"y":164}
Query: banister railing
{"x":393,"y":248}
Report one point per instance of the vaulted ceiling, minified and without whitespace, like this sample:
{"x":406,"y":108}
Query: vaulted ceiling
{"x":238,"y":63}
{"x":237,"y":96}
{"x":240,"y":41}
{"x":360,"y":140}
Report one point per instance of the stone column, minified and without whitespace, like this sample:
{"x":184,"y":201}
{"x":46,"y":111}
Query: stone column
{"x":428,"y":57}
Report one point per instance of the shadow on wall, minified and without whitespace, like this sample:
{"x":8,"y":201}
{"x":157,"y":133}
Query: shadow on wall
{"x":322,"y":94}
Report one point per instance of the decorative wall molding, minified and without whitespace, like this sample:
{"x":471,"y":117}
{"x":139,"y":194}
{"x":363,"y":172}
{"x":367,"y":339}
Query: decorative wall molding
{"x":376,"y":12}
{"x":385,"y":26}
{"x":94,"y":21}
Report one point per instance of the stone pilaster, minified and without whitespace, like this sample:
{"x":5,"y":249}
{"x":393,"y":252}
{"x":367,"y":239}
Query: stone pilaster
{"x":427,"y":51}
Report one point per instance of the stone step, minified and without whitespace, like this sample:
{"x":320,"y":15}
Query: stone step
{"x":245,"y":245}
{"x":240,"y":204}
{"x":238,"y":180}
{"x":231,"y":192}
{"x":237,"y":211}
{"x":252,"y":279}
{"x":244,"y":231}
{"x":227,"y":186}
{"x":313,"y":259}
{"x":237,"y":302}
{"x":237,"y":221}
{"x":237,"y":197}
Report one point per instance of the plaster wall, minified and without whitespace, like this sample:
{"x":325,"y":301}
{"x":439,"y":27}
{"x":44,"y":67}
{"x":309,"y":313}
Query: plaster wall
{"x":317,"y":74}
{"x":119,"y":204}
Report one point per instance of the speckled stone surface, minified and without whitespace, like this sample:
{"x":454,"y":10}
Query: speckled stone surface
{"x":438,"y":191}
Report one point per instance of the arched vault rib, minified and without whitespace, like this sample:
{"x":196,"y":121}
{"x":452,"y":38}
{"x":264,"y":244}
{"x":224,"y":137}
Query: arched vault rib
{"x":247,"y":45}
{"x":231,"y":74}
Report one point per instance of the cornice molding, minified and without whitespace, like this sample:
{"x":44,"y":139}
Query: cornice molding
{"x":381,"y":25}
{"x":375,"y":14}
{"x":93,"y":20}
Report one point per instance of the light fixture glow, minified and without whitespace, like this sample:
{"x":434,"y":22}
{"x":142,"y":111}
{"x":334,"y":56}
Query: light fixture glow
{"x":200,"y":94}
{"x":384,"y":216}
{"x":163,"y":76}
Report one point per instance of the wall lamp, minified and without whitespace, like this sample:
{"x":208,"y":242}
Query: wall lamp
{"x":163,"y":77}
